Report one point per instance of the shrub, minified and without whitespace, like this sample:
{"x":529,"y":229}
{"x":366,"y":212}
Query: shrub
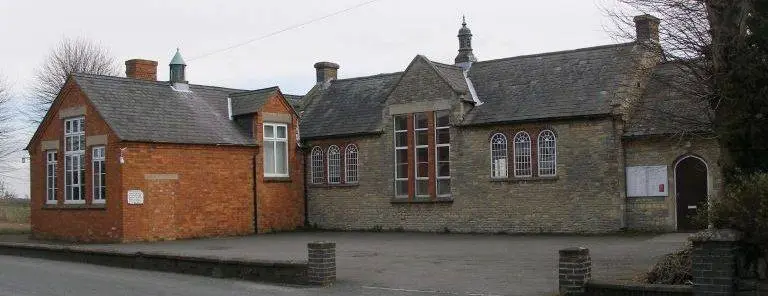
{"x":672,"y":269}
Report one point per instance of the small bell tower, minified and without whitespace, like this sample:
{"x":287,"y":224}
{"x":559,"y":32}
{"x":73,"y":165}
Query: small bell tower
{"x":465,"y":58}
{"x":177,"y":68}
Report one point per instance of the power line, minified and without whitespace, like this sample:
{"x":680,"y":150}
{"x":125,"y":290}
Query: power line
{"x":296,"y":26}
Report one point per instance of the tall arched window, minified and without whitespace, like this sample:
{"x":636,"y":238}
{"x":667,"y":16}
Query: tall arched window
{"x":547,"y":153}
{"x":499,"y":156}
{"x":318,"y":172}
{"x":334,"y":165}
{"x":351,"y":163}
{"x":522,"y":154}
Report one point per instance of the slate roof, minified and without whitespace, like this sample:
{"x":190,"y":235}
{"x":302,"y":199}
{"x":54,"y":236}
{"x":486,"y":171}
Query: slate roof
{"x":346,"y":106}
{"x":562,"y":84}
{"x":551,"y":85}
{"x":150,"y":111}
{"x":251,"y":101}
{"x":453,"y":75}
{"x":296,"y":101}
{"x":667,"y":105}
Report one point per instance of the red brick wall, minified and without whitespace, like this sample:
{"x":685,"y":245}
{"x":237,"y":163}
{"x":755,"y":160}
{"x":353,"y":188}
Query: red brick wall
{"x":212,"y":195}
{"x":280,"y":203}
{"x":82,"y":223}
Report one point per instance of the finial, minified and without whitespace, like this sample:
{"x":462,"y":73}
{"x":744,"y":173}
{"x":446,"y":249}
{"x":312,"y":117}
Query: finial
{"x":463,"y":21}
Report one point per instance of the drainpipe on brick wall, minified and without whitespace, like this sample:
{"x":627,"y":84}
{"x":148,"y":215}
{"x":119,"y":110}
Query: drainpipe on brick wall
{"x":306,"y":197}
{"x":255,"y":197}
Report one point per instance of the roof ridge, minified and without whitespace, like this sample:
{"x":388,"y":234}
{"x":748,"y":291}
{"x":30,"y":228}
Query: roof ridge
{"x":368,"y":77}
{"x":136,"y":80}
{"x":558,"y":52}
{"x":248,"y":92}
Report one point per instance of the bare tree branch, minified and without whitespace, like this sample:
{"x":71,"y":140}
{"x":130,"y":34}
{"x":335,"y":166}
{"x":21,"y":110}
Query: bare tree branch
{"x":69,"y":56}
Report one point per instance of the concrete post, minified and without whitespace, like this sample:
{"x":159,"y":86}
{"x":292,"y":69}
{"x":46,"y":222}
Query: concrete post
{"x":715,"y":265}
{"x":575,"y":270}
{"x":322,"y":263}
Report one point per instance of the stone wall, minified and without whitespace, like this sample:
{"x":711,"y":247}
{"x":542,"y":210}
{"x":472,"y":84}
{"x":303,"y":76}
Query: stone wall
{"x":659,"y":213}
{"x":585,"y":196}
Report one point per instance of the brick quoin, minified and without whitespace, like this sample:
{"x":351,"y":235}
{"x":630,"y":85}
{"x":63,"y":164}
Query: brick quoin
{"x":189,"y":190}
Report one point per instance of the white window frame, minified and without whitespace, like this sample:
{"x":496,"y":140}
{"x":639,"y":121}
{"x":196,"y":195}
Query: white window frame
{"x":72,"y":135}
{"x":351,"y":164}
{"x":438,"y":178}
{"x":397,"y":148}
{"x":499,"y":156}
{"x":522,"y":159}
{"x":542,"y":146}
{"x":317,"y":168}
{"x":416,"y":148}
{"x":273,"y":141}
{"x":98,"y":160}
{"x":334,"y":164}
{"x":50,"y":176}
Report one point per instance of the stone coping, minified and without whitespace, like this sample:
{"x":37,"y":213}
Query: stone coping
{"x":278,"y":271}
{"x":716,"y":235}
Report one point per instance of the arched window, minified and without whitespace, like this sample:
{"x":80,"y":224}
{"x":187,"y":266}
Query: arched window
{"x":351,"y":163}
{"x":522,"y":152}
{"x":499,"y":156}
{"x":547,"y":153}
{"x":334,"y":165}
{"x":318,"y":176}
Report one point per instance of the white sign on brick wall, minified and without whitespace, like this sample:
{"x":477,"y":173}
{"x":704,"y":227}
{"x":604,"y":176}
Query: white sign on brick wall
{"x":135,"y":197}
{"x":647,"y":181}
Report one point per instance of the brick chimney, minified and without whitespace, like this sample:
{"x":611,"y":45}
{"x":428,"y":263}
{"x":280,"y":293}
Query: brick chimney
{"x":647,"y":28}
{"x":141,"y":69}
{"x":326,"y":71}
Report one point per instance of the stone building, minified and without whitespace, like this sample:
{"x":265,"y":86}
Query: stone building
{"x":128,"y":159}
{"x":584,"y":140}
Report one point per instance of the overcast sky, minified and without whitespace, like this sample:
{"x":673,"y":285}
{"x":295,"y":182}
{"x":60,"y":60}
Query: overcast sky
{"x":379,"y":37}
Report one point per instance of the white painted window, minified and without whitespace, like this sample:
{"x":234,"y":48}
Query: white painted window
{"x":351,"y":163}
{"x":334,"y":165}
{"x":50,"y":176}
{"x":317,"y":167}
{"x":522,"y":154}
{"x":74,"y":160}
{"x":401,"y":155}
{"x":499,"y":156}
{"x":442,"y":152}
{"x":647,"y":181}
{"x":275,"y":150}
{"x":99,"y":184}
{"x":421,"y":154}
{"x":547,"y":153}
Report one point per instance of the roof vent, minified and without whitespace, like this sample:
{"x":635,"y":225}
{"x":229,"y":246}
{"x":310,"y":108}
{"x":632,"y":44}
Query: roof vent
{"x":177,"y":66}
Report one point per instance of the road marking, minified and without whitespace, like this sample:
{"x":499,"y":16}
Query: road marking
{"x":427,"y":291}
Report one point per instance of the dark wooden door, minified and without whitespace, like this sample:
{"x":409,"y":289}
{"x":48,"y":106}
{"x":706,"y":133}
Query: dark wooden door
{"x":691,"y":186}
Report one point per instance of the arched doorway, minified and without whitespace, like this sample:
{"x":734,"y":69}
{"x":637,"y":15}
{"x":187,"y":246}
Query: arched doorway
{"x":691,"y":190}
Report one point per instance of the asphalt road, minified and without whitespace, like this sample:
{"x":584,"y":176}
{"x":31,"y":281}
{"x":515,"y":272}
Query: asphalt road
{"x":28,"y":276}
{"x":21,"y":276}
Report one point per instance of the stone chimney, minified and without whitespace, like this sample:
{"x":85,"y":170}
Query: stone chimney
{"x":647,"y":28}
{"x":141,"y":69}
{"x":326,"y":71}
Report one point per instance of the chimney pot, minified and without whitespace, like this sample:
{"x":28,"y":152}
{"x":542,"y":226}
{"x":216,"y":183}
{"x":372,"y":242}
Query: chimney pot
{"x":141,"y":69}
{"x":647,"y":28}
{"x":326,"y":71}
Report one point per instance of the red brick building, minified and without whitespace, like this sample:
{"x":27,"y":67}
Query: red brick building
{"x":132,"y":159}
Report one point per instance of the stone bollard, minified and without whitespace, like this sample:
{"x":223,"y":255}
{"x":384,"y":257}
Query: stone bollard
{"x":715,"y":262}
{"x":322,"y":263}
{"x":575,"y":268}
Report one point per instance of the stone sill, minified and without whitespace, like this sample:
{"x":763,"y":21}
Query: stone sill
{"x":525,"y":179}
{"x":340,"y":185}
{"x":96,"y":206}
{"x":445,"y":200}
{"x":277,"y":179}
